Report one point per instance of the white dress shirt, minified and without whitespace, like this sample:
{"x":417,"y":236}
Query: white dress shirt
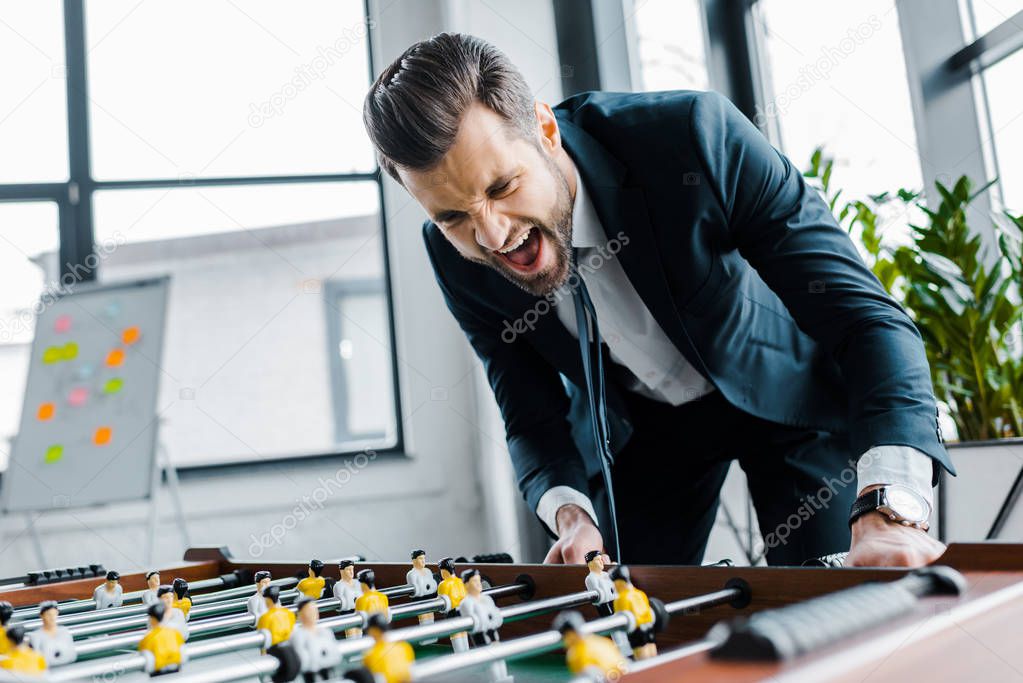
{"x":659,"y":370}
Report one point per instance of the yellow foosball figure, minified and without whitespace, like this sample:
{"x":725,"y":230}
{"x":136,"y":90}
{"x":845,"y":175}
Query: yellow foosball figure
{"x":388,"y":662}
{"x":632,"y":599}
{"x":277,"y":621}
{"x":161,"y":646}
{"x":312,"y":584}
{"x":452,"y":590}
{"x":21,"y":658}
{"x":371,"y":601}
{"x":182,"y":598}
{"x":6,"y":612}
{"x":589,"y":655}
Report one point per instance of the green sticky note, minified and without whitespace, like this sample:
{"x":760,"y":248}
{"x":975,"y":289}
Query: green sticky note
{"x":54,"y":453}
{"x":113,"y":385}
{"x":52,"y":355}
{"x":70,"y":351}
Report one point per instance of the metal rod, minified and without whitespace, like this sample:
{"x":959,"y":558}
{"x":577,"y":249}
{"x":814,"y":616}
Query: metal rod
{"x":546,"y":641}
{"x":75,"y":606}
{"x":219,"y":597}
{"x":92,"y":648}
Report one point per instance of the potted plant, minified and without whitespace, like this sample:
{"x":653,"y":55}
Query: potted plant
{"x":965,"y":295}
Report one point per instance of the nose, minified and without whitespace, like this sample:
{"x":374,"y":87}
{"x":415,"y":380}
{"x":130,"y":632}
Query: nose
{"x":491,"y":232}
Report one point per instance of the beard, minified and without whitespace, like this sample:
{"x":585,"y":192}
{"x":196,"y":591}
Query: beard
{"x":557,"y":229}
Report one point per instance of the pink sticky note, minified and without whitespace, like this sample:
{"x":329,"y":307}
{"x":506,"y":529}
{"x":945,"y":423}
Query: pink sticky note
{"x":78,"y":396}
{"x":62,"y":323}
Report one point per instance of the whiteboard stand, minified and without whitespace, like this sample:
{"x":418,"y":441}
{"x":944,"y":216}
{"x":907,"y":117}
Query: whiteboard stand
{"x":37,"y":543}
{"x":163,"y":466}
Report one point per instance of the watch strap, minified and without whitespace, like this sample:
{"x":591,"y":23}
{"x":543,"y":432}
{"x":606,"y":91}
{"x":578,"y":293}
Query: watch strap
{"x":868,"y":502}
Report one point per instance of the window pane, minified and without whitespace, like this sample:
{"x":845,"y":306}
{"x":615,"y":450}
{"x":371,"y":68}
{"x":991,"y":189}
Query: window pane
{"x":249,"y":365}
{"x":670,"y":46}
{"x":262,"y":89}
{"x":29,"y":261}
{"x":1006,"y":110}
{"x":838,"y":79}
{"x":990,"y":13}
{"x":363,"y":403}
{"x":33,"y":97}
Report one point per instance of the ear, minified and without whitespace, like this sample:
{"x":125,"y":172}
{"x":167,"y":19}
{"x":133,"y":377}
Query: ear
{"x":547,"y":124}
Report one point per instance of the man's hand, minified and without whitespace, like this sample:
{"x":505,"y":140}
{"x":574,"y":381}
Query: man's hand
{"x":577,"y":535}
{"x":879,"y":542}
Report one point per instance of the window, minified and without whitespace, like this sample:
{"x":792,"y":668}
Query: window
{"x":33,"y":110}
{"x":1005,"y":108}
{"x":261,"y":90}
{"x":28,"y":252}
{"x":836,"y":78}
{"x":669,"y":45}
{"x":240,"y":168}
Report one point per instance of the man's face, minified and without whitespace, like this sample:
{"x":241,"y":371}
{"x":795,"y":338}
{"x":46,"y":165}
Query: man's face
{"x":502,"y":200}
{"x":348,"y":573}
{"x":419,"y":562}
{"x":153,"y":582}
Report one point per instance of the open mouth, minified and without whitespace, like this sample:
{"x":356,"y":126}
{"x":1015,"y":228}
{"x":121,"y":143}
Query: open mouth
{"x":523,"y":254}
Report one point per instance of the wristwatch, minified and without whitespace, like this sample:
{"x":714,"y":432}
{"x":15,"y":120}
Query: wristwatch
{"x":898,"y":503}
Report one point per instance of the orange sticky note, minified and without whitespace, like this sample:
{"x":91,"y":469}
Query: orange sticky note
{"x":115,"y":358}
{"x":45,"y":411}
{"x":130,"y":335}
{"x":102,"y":436}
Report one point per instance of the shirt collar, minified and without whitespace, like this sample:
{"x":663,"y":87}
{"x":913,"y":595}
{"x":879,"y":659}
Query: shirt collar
{"x":586,"y":228}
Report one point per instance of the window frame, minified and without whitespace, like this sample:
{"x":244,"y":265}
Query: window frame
{"x":74,"y":199}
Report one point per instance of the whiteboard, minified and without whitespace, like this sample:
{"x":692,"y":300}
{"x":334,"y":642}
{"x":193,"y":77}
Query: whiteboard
{"x":88,"y":423}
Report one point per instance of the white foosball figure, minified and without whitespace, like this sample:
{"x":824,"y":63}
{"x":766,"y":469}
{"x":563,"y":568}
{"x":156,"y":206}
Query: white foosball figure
{"x":256,"y":605}
{"x":486,"y":620}
{"x":53,"y":642}
{"x":347,"y":590}
{"x":149,"y":596}
{"x":423,"y":584}
{"x":600,"y":582}
{"x":314,"y":644}
{"x":109,"y":594}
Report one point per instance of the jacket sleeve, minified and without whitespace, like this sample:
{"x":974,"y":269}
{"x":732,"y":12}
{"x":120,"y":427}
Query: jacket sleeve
{"x":786,"y":231}
{"x":529,"y":393}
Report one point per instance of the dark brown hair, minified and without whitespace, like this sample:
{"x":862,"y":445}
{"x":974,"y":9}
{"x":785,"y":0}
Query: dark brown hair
{"x":414,"y":108}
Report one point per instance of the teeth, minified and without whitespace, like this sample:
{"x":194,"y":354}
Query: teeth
{"x":518,"y":243}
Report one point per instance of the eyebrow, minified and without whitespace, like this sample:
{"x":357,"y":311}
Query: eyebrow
{"x":496,"y":184}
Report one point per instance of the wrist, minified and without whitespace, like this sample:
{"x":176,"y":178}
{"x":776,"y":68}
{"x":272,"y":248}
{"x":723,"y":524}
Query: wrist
{"x":570,"y":516}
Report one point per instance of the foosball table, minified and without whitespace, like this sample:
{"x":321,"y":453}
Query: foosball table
{"x":212,"y":618}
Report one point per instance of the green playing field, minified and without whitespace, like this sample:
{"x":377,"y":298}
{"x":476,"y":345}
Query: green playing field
{"x":545,"y":668}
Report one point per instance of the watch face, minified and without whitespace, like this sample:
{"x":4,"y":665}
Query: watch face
{"x":906,"y":503}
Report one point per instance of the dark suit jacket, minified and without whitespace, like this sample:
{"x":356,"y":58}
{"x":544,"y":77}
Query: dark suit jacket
{"x":742,"y":265}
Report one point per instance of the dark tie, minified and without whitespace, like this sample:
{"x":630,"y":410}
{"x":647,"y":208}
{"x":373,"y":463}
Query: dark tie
{"x":589,"y":345}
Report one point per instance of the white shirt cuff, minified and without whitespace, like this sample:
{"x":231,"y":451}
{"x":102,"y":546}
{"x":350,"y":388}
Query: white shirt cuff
{"x":558,"y":496}
{"x":903,"y":465}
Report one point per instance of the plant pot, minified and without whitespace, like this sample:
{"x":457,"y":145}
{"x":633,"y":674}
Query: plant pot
{"x":967,"y":505}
